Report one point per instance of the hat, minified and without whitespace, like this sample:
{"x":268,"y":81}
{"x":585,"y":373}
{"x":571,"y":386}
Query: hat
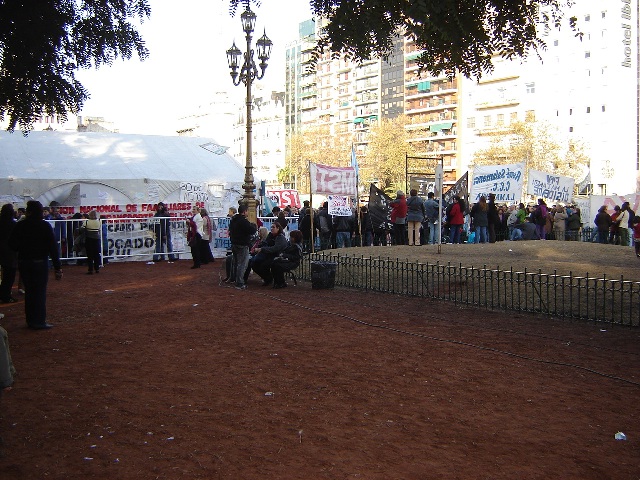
{"x":400,"y":193}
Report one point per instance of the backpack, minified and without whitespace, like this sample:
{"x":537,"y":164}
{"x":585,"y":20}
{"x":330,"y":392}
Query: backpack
{"x":324,"y":224}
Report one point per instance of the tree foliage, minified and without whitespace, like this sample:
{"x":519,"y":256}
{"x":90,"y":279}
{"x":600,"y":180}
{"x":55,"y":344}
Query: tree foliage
{"x":539,"y":146}
{"x":315,"y":144}
{"x":387,"y":151}
{"x":456,"y":35}
{"x":43,"y":44}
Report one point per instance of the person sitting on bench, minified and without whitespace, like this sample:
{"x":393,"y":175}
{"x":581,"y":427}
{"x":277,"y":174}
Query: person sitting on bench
{"x":287,"y":260}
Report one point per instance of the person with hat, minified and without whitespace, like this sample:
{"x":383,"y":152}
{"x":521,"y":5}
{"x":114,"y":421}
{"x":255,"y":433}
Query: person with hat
{"x":399,"y":217}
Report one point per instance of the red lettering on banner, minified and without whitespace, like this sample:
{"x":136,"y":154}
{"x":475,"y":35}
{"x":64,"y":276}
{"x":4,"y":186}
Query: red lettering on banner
{"x":132,"y":207}
{"x":333,"y":180}
{"x":285,"y":197}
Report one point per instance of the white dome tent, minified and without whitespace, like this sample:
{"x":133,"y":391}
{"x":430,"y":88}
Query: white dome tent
{"x":81,"y":168}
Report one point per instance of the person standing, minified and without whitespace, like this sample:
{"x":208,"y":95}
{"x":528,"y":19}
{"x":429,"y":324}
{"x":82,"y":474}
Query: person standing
{"x":8,"y":257}
{"x":415,"y":216}
{"x":559,"y":223}
{"x":399,"y":217}
{"x":208,"y":227}
{"x":194,"y":236}
{"x":636,"y":234}
{"x":240,"y":233}
{"x":323,"y":226}
{"x":540,"y":216}
{"x":35,"y":243}
{"x":603,"y":224}
{"x":431,"y":213}
{"x":92,"y":232}
{"x":366,"y":227}
{"x":344,"y":226}
{"x":623,"y":221}
{"x":162,"y":231}
{"x":480,"y":216}
{"x":493,"y":220}
{"x":455,"y":218}
{"x":614,"y":232}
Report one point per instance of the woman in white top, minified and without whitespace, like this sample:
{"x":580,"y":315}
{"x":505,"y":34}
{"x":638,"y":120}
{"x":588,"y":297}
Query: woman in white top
{"x":208,"y":228}
{"x":92,"y":229}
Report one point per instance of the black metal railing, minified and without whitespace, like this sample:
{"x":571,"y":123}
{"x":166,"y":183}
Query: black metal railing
{"x":615,"y":301}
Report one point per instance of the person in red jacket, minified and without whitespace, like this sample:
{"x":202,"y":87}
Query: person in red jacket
{"x":456,"y":219}
{"x":399,"y":217}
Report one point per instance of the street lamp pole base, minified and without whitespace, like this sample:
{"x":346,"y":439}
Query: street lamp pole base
{"x":252,"y":203}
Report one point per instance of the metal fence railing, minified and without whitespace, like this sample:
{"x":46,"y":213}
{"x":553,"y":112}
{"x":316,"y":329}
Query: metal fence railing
{"x":615,"y":301}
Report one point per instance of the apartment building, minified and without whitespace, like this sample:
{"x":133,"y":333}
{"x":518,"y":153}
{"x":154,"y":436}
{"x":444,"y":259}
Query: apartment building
{"x":587,"y":87}
{"x":268,"y":134}
{"x":431,"y":105}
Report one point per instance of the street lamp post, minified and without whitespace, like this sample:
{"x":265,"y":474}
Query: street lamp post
{"x":248,"y":73}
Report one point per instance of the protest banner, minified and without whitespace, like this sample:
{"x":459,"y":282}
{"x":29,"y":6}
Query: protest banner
{"x":284,"y":198}
{"x":504,"y":181}
{"x":423,"y":184}
{"x":379,"y":209}
{"x":339,"y":205}
{"x":459,"y":189}
{"x":194,"y":192}
{"x":553,"y":188}
{"x":333,"y":180}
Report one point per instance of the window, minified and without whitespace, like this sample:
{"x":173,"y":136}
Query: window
{"x":604,"y":14}
{"x":531,"y":87}
{"x":603,"y":108}
{"x":571,"y":111}
{"x":471,"y":122}
{"x":587,"y":54}
{"x":500,"y":119}
{"x":588,"y":109}
{"x":555,"y":43}
{"x":514,"y":117}
{"x":530,"y":116}
{"x":487,"y":120}
{"x":571,"y":129}
{"x":587,"y":18}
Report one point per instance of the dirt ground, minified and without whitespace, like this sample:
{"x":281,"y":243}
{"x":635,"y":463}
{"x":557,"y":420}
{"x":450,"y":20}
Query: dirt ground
{"x":162,"y":372}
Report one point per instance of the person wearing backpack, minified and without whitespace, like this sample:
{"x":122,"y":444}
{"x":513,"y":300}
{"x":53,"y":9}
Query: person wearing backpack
{"x":323,"y":225}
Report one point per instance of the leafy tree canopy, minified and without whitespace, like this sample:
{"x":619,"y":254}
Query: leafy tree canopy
{"x":387,"y":151}
{"x":540,"y":147}
{"x":316,"y":144}
{"x":456,"y":35}
{"x":43,"y":44}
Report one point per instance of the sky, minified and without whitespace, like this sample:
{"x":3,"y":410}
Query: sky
{"x":187,"y":64}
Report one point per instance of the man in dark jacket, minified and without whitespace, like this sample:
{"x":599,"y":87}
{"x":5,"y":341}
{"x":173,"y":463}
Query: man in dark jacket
{"x":35,"y":243}
{"x":493,"y":218}
{"x":240,"y":233}
{"x":162,"y":230}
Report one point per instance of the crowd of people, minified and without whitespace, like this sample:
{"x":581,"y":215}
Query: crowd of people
{"x":269,"y":255}
{"x":415,"y":221}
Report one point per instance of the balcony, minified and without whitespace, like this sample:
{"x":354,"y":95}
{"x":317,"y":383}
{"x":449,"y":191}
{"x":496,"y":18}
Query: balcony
{"x":367,"y":85}
{"x":497,"y":103}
